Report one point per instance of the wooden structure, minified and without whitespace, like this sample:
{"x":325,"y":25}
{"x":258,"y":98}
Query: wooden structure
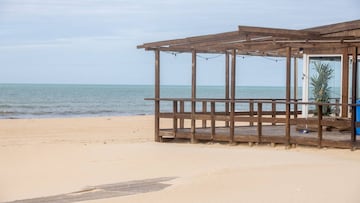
{"x":262,"y":126}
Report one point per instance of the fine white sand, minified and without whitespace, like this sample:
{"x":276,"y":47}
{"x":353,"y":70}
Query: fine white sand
{"x":44,"y":157}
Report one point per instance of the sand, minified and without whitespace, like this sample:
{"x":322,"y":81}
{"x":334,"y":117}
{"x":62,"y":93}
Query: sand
{"x":115,"y":160}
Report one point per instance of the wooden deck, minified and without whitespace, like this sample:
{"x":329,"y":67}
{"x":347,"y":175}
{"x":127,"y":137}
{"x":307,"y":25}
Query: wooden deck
{"x":257,"y":125}
{"x":271,"y":134}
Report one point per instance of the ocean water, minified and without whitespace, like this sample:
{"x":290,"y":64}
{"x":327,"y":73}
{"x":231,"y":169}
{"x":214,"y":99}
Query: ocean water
{"x":47,"y":101}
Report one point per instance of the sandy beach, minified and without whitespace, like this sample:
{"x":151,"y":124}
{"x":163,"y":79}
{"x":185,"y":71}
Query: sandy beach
{"x":114,"y":159}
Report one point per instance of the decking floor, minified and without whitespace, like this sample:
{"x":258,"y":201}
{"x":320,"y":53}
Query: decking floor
{"x":270,"y":134}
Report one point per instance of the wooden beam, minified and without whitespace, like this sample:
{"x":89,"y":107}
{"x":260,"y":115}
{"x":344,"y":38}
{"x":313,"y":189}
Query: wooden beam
{"x":157,"y":96}
{"x":276,"y":32}
{"x":193,"y":97}
{"x":338,"y":27}
{"x":189,"y":40}
{"x":345,"y":84}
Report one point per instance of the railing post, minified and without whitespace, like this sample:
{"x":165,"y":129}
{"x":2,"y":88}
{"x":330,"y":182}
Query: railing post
{"x":259,"y":121}
{"x":182,"y":110}
{"x":212,"y":119}
{"x":204,"y":109}
{"x":193,"y":121}
{"x":273,"y":111}
{"x":337,"y":109}
{"x":232,"y":121}
{"x":295,"y":109}
{"x":175,"y":110}
{"x":320,"y":112}
{"x":251,"y":111}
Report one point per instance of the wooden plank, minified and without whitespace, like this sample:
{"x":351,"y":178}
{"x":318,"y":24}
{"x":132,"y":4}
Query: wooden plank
{"x":246,"y":138}
{"x":188,"y":40}
{"x":304,"y":141}
{"x":337,"y":27}
{"x":274,"y":139}
{"x":276,"y":32}
{"x":337,"y":144}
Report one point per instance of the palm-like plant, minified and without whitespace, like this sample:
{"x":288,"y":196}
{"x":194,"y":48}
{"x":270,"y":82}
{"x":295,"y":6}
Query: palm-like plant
{"x":319,"y":82}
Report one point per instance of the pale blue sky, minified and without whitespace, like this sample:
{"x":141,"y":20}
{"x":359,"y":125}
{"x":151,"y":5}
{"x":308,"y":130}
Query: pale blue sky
{"x":94,"y":41}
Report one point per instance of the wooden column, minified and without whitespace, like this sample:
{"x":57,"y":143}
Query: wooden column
{"x":295,"y":86}
{"x":193,"y":97}
{"x":157,"y":96}
{"x":345,"y":84}
{"x":295,"y":77}
{"x":354,"y":93}
{"x":227,"y":85}
{"x":288,"y":94}
{"x":233,"y":90}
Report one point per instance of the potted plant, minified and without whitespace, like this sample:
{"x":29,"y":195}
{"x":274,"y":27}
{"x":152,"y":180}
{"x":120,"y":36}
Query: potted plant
{"x":319,"y":81}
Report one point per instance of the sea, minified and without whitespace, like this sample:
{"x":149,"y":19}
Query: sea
{"x":63,"y":100}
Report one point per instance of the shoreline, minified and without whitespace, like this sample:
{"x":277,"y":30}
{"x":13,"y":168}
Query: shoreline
{"x":47,"y":157}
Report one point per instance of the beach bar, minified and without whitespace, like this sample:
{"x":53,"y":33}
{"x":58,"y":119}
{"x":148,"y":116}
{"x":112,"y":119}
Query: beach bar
{"x":291,"y":120}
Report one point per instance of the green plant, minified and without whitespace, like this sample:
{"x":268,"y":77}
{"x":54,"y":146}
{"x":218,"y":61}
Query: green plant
{"x":319,"y":82}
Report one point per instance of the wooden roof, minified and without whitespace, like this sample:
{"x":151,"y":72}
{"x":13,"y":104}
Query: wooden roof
{"x":247,"y":40}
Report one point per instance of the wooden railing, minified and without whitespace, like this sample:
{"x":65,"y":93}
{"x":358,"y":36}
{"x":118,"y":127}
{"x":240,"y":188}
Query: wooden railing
{"x":206,"y":114}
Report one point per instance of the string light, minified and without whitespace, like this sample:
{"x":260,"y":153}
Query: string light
{"x":219,"y":55}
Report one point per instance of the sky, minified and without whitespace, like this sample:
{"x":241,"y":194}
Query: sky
{"x":94,"y":41}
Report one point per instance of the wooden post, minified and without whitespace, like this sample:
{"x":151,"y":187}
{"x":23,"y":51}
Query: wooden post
{"x":204,"y":109}
{"x":233,"y":90}
{"x":273,"y":111}
{"x":259,"y":121}
{"x":157,"y":95}
{"x":345,"y":84}
{"x":320,"y":112}
{"x":295,"y":86}
{"x":175,"y":111}
{"x":182,"y":110}
{"x":193,"y":97}
{"x":227,"y":85}
{"x":251,"y":111}
{"x":354,"y":94}
{"x":288,"y":93}
{"x":295,"y":77}
{"x":212,"y":120}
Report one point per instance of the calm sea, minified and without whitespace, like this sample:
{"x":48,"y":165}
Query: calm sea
{"x":46,"y":101}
